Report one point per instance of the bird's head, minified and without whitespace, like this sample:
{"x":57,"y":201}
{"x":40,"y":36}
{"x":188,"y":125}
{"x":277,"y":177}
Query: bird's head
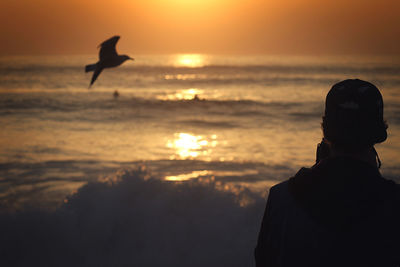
{"x":126,"y":57}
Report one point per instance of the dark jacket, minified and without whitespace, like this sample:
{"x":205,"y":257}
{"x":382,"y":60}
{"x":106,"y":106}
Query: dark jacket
{"x":340,"y":212}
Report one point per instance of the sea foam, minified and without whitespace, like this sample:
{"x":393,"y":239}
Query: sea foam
{"x":132,"y":219}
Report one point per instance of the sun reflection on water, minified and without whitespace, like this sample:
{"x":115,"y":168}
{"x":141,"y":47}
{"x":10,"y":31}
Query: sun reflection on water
{"x":190,"y":60}
{"x":185,"y":94}
{"x":211,"y":174}
{"x":188,"y":146}
{"x":186,"y":176}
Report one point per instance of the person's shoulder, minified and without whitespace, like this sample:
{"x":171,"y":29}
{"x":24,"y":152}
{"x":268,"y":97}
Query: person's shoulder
{"x":279,"y":198}
{"x":301,"y":174}
{"x":282,"y":186}
{"x":282,"y":190}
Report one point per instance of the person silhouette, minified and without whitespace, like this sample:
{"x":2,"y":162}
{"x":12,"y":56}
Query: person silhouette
{"x":341,"y":211}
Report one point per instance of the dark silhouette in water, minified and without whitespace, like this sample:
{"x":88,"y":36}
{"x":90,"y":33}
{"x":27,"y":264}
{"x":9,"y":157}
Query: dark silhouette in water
{"x":108,"y":58}
{"x":341,"y":211}
{"x":197,"y":98}
{"x":116,"y":94}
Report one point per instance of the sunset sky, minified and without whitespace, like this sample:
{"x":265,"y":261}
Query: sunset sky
{"x":202,"y":26}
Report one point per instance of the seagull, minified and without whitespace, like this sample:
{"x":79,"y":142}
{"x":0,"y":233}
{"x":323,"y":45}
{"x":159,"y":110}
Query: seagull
{"x":108,"y":58}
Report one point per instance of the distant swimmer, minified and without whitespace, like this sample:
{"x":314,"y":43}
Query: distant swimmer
{"x":108,"y":58}
{"x":197,"y":98}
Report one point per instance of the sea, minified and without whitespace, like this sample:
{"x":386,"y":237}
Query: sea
{"x":170,"y":153}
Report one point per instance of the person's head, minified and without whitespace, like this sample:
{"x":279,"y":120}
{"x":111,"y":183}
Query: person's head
{"x":353,"y":120}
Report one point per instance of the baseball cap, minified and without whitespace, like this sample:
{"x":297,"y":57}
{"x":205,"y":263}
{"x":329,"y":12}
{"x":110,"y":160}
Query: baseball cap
{"x":354,"y":114}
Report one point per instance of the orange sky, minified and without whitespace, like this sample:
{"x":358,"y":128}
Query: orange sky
{"x":202,"y":26}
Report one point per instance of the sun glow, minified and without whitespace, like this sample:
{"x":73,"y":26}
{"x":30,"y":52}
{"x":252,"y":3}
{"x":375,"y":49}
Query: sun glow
{"x":190,"y":5}
{"x":188,"y":146}
{"x":191,"y":60}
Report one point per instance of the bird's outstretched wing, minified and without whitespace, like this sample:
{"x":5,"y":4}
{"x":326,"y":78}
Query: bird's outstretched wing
{"x":107,"y":48}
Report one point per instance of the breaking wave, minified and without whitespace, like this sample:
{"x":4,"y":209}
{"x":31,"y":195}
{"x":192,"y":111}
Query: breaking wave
{"x":132,"y":219}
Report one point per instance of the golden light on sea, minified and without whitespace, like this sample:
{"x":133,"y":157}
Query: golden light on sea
{"x":211,"y":174}
{"x":190,"y":60}
{"x":185,"y":94}
{"x":188,"y":94}
{"x":189,"y":146}
{"x":187,"y":176}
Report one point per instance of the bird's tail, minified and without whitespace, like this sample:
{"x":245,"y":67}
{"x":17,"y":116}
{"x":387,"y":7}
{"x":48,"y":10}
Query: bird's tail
{"x":90,"y":67}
